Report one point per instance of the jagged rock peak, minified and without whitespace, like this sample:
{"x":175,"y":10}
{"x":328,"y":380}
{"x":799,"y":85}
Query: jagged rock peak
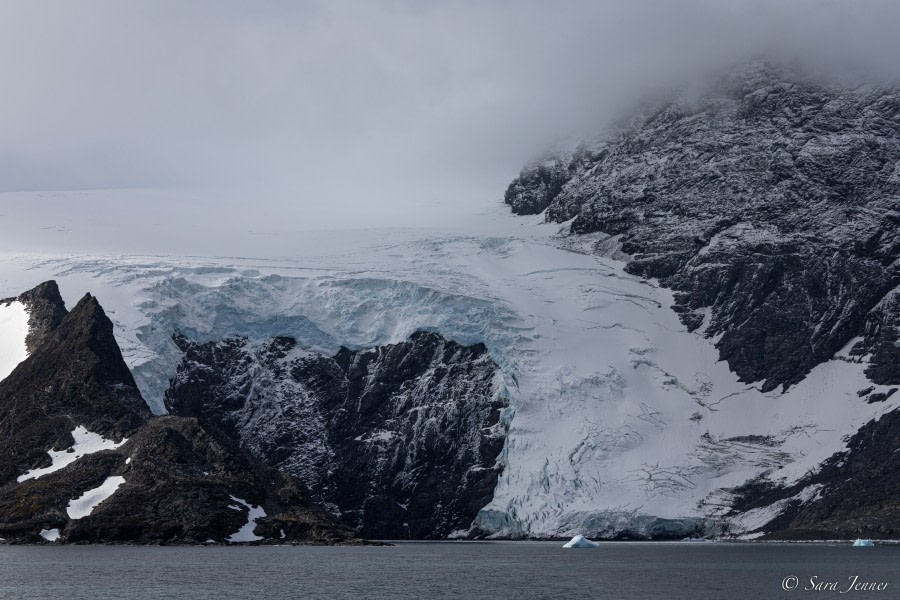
{"x":75,"y":376}
{"x":73,"y":426}
{"x":45,"y":311}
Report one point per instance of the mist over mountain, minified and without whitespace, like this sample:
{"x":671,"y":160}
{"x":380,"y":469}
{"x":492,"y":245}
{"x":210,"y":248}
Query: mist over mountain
{"x":243,"y":122}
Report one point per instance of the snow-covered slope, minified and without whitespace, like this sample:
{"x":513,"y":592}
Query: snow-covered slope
{"x":620,"y":420}
{"x":769,"y":205}
{"x":13,"y":331}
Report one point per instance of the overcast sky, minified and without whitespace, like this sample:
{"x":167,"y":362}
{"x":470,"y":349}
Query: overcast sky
{"x":290,"y":115}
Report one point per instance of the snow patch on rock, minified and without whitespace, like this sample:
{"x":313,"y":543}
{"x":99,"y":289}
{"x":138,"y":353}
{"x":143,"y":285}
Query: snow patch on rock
{"x":86,"y":443}
{"x":245,"y":533}
{"x":751,"y":523}
{"x":86,"y":503}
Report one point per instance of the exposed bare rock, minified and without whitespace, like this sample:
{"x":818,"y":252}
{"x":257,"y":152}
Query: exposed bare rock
{"x":400,"y":441}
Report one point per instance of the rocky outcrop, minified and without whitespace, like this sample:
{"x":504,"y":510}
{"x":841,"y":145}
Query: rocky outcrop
{"x":46,"y":310}
{"x":770,"y":206}
{"x":880,"y":343}
{"x":539,"y":184}
{"x":853,"y":494}
{"x":181,"y":485}
{"x":82,"y":460}
{"x":76,"y":376}
{"x":399,"y":441}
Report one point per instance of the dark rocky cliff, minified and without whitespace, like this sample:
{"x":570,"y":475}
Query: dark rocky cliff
{"x":400,"y":441}
{"x":179,"y":482}
{"x":75,"y":375}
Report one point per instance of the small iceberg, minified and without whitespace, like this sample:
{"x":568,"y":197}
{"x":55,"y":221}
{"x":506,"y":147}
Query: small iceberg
{"x":579,"y":541}
{"x":859,"y":542}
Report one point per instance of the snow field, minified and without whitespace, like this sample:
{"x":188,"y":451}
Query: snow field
{"x":13,"y":331}
{"x":619,"y":415}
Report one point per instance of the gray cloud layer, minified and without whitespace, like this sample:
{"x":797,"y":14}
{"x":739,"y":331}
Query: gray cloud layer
{"x":349,"y":114}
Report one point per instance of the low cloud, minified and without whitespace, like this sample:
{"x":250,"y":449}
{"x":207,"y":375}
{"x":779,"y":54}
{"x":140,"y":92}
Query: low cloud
{"x":339,"y":114}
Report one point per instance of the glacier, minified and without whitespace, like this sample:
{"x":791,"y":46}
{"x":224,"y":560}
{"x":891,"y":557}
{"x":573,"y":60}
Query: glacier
{"x":621,"y":421}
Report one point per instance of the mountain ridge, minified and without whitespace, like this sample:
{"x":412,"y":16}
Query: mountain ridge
{"x":400,"y":441}
{"x":770,"y":207}
{"x":159,"y":480}
{"x":766,"y":195}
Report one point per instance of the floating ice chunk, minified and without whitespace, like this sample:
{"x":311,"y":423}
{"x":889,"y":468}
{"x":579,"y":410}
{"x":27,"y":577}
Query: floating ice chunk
{"x":860,"y":542}
{"x":51,"y":535}
{"x":245,"y":533}
{"x":86,"y":503}
{"x":13,"y":331}
{"x":579,"y":541}
{"x":85,"y":443}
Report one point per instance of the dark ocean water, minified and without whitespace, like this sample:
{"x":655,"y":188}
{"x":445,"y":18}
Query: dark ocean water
{"x":496,"y":570}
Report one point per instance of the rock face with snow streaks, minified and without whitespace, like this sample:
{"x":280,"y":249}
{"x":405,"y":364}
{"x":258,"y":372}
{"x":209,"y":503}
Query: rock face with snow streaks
{"x":771,"y":207}
{"x":772,"y":204}
{"x":855,"y":492}
{"x":400,"y":441}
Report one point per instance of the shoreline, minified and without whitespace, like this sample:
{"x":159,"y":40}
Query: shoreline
{"x":390,"y":543}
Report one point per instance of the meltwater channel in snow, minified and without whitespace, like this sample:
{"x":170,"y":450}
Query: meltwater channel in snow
{"x":13,"y":331}
{"x":86,"y":443}
{"x":619,"y":417}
